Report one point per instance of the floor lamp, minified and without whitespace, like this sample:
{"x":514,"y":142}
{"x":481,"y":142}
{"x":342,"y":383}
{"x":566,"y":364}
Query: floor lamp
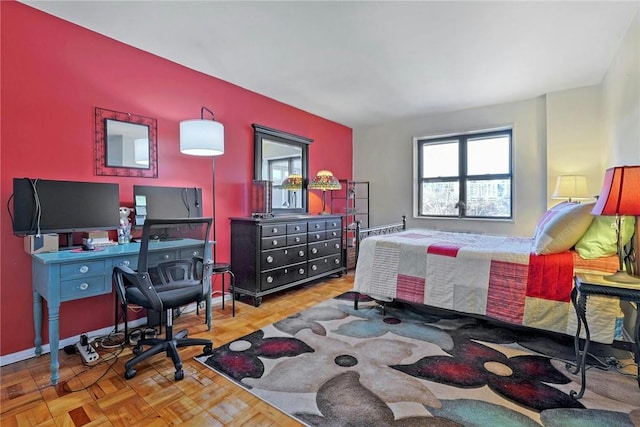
{"x":200,"y":137}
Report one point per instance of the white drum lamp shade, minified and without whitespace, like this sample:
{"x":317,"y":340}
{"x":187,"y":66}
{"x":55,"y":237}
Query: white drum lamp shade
{"x":199,"y":137}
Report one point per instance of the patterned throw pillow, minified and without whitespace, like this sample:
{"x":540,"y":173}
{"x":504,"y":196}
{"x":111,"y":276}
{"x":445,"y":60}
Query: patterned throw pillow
{"x":560,"y":228}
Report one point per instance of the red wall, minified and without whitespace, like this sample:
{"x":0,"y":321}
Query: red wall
{"x":53,"y":75}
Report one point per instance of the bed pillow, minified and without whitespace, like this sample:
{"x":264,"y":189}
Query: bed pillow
{"x":560,"y":228}
{"x":600,"y":238}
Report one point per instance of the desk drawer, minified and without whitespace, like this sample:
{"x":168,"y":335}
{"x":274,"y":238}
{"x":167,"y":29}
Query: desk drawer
{"x":191,"y":252}
{"x":82,"y":269}
{"x":157,"y":257}
{"x":333,"y":224}
{"x":84,"y":287}
{"x":130,"y":261}
{"x":317,"y":225}
{"x":297,"y":227}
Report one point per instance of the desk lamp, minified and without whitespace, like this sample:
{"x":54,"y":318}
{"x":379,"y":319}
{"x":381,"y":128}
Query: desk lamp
{"x":324,"y":181}
{"x":200,"y":137}
{"x":620,"y":195}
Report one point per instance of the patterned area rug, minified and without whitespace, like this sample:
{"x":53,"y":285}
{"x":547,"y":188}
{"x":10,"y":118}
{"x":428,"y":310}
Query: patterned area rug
{"x":333,"y":366}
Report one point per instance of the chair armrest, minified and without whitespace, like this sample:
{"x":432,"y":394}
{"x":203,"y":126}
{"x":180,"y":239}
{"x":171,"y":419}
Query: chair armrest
{"x":142,"y":281}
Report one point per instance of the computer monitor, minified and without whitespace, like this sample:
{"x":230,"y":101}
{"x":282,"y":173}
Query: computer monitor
{"x":168,"y":202}
{"x":48,"y":206}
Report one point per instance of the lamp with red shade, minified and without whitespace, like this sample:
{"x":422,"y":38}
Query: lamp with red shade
{"x":620,"y":195}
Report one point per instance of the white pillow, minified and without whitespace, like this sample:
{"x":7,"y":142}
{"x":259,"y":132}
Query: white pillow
{"x":560,"y":228}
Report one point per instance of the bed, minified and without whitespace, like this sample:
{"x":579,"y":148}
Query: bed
{"x":517,"y":280}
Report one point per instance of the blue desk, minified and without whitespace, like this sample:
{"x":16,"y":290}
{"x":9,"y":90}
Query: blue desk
{"x":66,"y":276}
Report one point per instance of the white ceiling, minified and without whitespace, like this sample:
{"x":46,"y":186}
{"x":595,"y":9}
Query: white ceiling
{"x":362,"y":62}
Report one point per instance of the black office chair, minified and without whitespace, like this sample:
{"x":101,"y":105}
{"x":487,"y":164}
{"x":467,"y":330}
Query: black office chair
{"x":168,"y":285}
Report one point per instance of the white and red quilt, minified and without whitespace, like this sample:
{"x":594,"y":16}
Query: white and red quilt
{"x":494,"y":276}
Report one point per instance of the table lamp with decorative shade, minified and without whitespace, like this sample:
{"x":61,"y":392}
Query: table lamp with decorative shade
{"x":293,"y":183}
{"x":324,"y":180}
{"x":620,"y":196}
{"x":571,"y":187}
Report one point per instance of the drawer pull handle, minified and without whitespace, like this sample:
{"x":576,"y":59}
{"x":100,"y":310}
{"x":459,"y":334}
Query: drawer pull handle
{"x":300,"y":253}
{"x":337,"y":246}
{"x":317,"y":237}
{"x":334,"y":234}
{"x":337,"y":261}
{"x":297,"y":239}
{"x":301,"y":271}
{"x":84,"y":286}
{"x":333,"y":224}
{"x":84,"y":269}
{"x":275,"y":242}
{"x":314,"y":267}
{"x":314,"y":251}
{"x":125,"y":263}
{"x":317,"y":225}
{"x":274,"y":230}
{"x":269,"y":259}
{"x":297,"y":228}
{"x":196,"y":253}
{"x":269,"y":279}
{"x":165,"y":256}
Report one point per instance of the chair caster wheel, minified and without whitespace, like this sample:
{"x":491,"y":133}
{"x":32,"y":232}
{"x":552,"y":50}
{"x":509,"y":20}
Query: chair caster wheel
{"x":137,"y":349}
{"x":179,"y":375}
{"x":130,"y":374}
{"x":208,"y":349}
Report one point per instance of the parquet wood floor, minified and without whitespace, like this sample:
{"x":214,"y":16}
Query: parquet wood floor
{"x":100,"y":396}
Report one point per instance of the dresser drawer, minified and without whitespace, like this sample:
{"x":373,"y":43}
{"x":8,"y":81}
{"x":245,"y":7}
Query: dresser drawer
{"x":316,"y":236}
{"x":322,"y":265}
{"x":317,"y":225}
{"x":277,"y":258}
{"x":273,"y":230}
{"x":334,"y":233}
{"x":297,"y":227}
{"x":325,"y":248}
{"x":296,"y":239}
{"x":273,"y":242}
{"x":82,"y":269}
{"x":283,"y":276}
{"x":84,"y":287}
{"x":333,"y":224}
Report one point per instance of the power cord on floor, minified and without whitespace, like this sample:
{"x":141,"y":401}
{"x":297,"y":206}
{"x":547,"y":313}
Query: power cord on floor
{"x":113,"y":341}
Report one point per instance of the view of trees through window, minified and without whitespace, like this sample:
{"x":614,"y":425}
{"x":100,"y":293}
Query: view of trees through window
{"x":466,"y":175}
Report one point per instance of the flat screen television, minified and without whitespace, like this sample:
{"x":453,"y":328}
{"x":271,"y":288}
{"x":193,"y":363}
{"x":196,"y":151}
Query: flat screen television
{"x":169,"y":202}
{"x":48,"y":206}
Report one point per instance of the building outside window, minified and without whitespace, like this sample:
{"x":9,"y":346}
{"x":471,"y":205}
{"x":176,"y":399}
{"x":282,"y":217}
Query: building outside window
{"x":466,"y":176}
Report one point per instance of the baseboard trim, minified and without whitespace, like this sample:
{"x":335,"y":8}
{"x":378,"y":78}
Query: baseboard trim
{"x":31,"y":352}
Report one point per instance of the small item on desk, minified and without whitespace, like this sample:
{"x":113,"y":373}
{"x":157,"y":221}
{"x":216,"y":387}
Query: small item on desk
{"x":36,"y":244}
{"x":87,"y":245}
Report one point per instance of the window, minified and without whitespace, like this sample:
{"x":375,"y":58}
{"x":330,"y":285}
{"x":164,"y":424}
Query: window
{"x":466,"y":176}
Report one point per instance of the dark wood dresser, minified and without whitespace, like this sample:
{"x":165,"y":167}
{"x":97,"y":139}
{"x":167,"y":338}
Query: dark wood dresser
{"x":271,"y":254}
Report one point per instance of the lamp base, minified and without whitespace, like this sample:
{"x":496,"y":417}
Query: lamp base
{"x":623,"y":277}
